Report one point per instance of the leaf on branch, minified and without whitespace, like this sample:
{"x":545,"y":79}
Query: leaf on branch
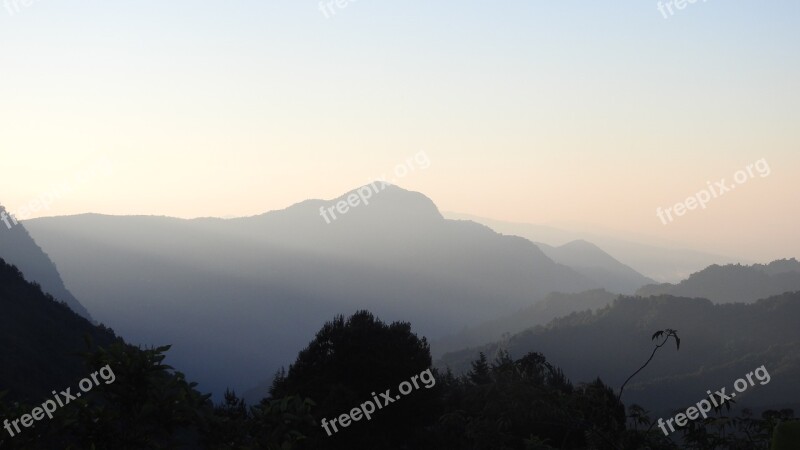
{"x":657,"y":335}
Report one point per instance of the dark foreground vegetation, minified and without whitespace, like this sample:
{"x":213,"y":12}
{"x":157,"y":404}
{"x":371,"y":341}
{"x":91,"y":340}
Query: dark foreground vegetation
{"x":500,"y":403}
{"x":524,"y":403}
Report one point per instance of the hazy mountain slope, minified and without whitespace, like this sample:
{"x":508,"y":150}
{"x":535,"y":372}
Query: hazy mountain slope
{"x":39,"y":340}
{"x":660,"y":261}
{"x":597,"y":265}
{"x":17,"y":247}
{"x":734,"y":283}
{"x":554,"y":305}
{"x":275,"y":278}
{"x":719,"y":344}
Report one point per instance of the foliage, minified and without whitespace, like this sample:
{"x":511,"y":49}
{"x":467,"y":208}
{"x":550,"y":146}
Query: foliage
{"x":348,"y":363}
{"x":523,"y":403}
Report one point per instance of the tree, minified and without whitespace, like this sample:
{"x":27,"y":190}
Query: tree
{"x":148,"y":405}
{"x":350,"y":362}
{"x":480,"y":373}
{"x":231,"y":426}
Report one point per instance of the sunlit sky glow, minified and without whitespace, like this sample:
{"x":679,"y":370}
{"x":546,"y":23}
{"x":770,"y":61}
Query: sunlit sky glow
{"x":544,"y":112}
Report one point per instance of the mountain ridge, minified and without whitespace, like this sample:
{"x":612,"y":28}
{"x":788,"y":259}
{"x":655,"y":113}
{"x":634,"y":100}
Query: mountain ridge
{"x":283,"y":273}
{"x":40,"y":338}
{"x":720,"y":343}
{"x":19,"y":248}
{"x":734,"y":282}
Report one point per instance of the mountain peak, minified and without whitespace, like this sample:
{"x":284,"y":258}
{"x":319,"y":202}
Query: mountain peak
{"x":374,"y":202}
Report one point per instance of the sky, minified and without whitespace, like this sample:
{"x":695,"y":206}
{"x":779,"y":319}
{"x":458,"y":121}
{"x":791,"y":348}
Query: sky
{"x":579,"y":114}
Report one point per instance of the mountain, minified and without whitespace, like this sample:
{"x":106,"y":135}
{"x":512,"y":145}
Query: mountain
{"x":734,"y":283}
{"x":555,"y":305}
{"x":656,"y":259}
{"x":17,"y":247}
{"x":719,"y":344}
{"x":40,"y":339}
{"x":277,"y":277}
{"x":593,"y":263}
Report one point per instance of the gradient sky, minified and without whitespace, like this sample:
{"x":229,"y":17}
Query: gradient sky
{"x":583,"y":113}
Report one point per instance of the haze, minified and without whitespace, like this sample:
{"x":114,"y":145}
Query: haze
{"x":537,"y":112}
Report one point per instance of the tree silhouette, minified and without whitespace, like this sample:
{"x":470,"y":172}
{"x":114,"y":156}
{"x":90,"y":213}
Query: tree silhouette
{"x":480,"y":371}
{"x":352,"y":361}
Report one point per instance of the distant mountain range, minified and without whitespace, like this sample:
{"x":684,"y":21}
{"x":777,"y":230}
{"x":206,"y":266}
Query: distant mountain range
{"x":661,"y":261}
{"x":593,"y":263}
{"x":275,"y":278}
{"x":720,"y":284}
{"x":719,"y":344}
{"x":17,"y":248}
{"x":239,"y":298}
{"x":555,"y":305}
{"x":734,"y":282}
